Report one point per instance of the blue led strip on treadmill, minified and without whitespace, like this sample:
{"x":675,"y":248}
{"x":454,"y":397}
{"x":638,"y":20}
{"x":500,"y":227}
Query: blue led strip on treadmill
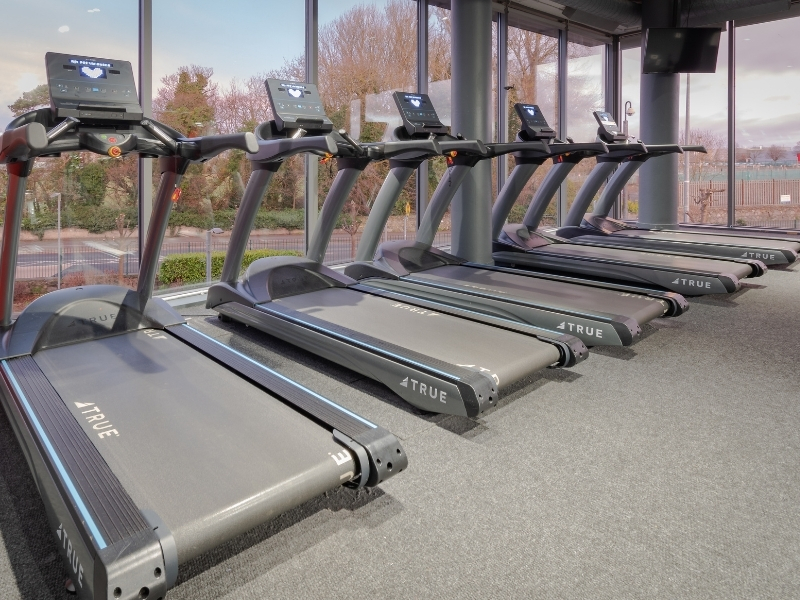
{"x":286,"y":379}
{"x":101,"y":543}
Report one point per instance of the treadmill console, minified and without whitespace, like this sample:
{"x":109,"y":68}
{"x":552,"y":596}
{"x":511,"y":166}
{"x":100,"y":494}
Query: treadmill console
{"x":297,"y":105}
{"x":609,"y":130}
{"x":418,"y":113}
{"x":533,"y":122}
{"x":92,"y":89}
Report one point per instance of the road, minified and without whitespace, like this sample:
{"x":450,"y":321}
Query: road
{"x":39,"y":259}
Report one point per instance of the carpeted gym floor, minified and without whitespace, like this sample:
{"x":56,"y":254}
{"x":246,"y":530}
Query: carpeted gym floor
{"x":666,"y":470}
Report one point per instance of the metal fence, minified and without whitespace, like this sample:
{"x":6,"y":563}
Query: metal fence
{"x":777,"y":192}
{"x":91,"y":257}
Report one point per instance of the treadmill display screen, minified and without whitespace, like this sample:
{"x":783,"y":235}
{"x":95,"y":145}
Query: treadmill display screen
{"x":92,"y":89}
{"x":417,"y":108}
{"x":606,"y":119}
{"x":532,"y":115}
{"x":533,"y":122}
{"x":296,"y":105}
{"x":418,"y":113}
{"x":93,"y":72}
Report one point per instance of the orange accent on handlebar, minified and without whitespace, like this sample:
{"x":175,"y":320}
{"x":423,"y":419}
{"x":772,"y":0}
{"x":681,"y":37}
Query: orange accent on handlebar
{"x":176,"y":195}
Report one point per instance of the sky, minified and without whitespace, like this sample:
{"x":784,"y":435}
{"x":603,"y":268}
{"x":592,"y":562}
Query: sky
{"x":240,"y":38}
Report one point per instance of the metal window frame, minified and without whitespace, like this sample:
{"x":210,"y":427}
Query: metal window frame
{"x":422,"y":88}
{"x":145,"y":167}
{"x":311,"y":201}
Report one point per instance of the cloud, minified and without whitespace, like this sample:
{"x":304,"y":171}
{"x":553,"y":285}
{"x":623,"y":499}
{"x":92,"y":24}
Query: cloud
{"x":63,"y":29}
{"x":93,"y":10}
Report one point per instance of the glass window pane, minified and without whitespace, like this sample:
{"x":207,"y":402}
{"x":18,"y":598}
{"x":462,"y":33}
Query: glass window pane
{"x":96,"y":194}
{"x":533,"y":75}
{"x":203,"y":86}
{"x":768,"y":125}
{"x":708,"y":126}
{"x":631,"y":80}
{"x":585,"y":78}
{"x":367,"y":51}
{"x":439,"y":76}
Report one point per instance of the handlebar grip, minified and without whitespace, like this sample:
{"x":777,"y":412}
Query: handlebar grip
{"x":212,"y":145}
{"x":695,"y":149}
{"x":274,"y":149}
{"x":18,"y":143}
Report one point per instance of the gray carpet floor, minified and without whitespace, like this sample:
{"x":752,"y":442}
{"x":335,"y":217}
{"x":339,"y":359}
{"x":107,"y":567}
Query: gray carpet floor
{"x":664,"y":470}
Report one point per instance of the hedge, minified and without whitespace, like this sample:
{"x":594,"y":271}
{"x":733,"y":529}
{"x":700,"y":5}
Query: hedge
{"x":191,"y":267}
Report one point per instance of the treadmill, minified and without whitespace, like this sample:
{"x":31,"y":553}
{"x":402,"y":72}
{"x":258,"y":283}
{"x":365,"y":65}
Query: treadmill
{"x":596,"y":316}
{"x":525,"y":246}
{"x":435,"y":361}
{"x":150,"y":442}
{"x":599,"y":217}
{"x":597,"y":228}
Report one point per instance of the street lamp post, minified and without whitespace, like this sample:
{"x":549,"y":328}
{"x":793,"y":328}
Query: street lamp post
{"x":58,"y":196}
{"x":215,"y":231}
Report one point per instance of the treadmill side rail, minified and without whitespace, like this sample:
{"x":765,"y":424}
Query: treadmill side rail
{"x":413,"y":377}
{"x":384,"y":452}
{"x":107,"y":547}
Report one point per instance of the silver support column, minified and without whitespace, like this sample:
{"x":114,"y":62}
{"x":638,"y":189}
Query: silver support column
{"x":471,"y":53}
{"x":312,"y":162}
{"x":660,"y":123}
{"x":146,"y":102}
{"x":422,"y":88}
{"x":563,"y":54}
{"x":613,"y":89}
{"x":731,"y":123}
{"x":502,"y":94}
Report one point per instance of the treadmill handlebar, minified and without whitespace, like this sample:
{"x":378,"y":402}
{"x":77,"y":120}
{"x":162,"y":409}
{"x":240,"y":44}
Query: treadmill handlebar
{"x":592,"y":148}
{"x":469,"y":147}
{"x":202,"y":148}
{"x":276,"y":149}
{"x":620,"y":152}
{"x":531,"y":148}
{"x":701,"y":149}
{"x":17,"y":144}
{"x":408,"y":149}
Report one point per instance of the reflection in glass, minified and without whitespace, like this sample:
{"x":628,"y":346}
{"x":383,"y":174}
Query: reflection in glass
{"x":95,"y":196}
{"x":768,"y":125}
{"x":533,"y":75}
{"x":201,"y":91}
{"x":708,"y":123}
{"x":584,"y":95}
{"x":366,"y":52}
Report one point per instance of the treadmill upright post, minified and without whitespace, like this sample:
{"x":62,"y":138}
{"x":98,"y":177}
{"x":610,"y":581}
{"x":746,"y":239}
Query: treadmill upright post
{"x":546,"y":191}
{"x":587,"y":191}
{"x":399,"y":174}
{"x":349,"y":171}
{"x":245,"y":219}
{"x":15,"y":203}
{"x":172,"y":170}
{"x":520,"y":175}
{"x":442,"y":197}
{"x":614,"y":187}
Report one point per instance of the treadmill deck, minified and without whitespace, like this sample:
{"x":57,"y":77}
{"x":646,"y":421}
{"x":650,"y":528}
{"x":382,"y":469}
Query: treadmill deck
{"x":210,"y":453}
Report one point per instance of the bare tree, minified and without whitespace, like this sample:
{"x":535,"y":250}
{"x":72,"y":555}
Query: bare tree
{"x":776,"y":153}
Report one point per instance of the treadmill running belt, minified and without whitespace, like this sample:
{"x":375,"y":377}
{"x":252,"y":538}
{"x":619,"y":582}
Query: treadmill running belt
{"x":210,"y":453}
{"x":507,"y":355}
{"x":550,"y":293}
